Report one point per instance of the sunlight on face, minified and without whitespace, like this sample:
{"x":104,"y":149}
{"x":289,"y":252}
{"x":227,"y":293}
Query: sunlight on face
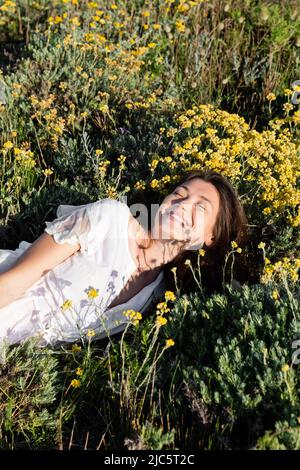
{"x":188,"y":213}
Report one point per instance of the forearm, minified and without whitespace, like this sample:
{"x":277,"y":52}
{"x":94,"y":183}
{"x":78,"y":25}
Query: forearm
{"x":6,"y":292}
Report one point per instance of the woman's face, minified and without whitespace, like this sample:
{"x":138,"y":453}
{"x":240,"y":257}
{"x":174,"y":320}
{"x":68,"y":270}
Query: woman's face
{"x":188,"y":214}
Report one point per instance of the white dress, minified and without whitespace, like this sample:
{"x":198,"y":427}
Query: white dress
{"x":103,"y":265}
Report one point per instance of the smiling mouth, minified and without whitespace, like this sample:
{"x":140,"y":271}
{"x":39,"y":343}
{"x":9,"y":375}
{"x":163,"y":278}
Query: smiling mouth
{"x":169,"y":213}
{"x":174,"y":216}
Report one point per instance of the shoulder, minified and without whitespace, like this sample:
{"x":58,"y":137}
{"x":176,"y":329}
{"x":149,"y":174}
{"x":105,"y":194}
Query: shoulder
{"x":110,"y":206}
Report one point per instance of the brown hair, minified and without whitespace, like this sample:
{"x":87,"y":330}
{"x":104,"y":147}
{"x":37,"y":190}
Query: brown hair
{"x":231,"y":225}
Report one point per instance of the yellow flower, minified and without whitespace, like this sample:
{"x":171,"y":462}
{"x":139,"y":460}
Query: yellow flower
{"x":8,"y":145}
{"x":201,"y":252}
{"x":285,"y":368}
{"x":239,"y":250}
{"x":169,"y":295}
{"x":47,"y":172}
{"x":133,"y":315}
{"x":160,"y":321}
{"x":75,"y":21}
{"x":162,"y":308}
{"x":287,"y":107}
{"x":75,"y":383}
{"x":261,"y":245}
{"x":267,"y":210}
{"x":79,"y":371}
{"x":92,"y":293}
{"x":180,"y":26}
{"x":271,"y":97}
{"x":154,"y":183}
{"x":104,"y":108}
{"x":153,"y":164}
{"x":98,"y":152}
{"x":76,"y":348}
{"x":169,"y":342}
{"x":67,"y":304}
{"x":234,"y":244}
{"x":90,"y":333}
{"x":275,"y":294}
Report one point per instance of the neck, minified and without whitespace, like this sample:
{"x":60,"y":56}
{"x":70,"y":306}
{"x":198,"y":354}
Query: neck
{"x":158,"y":253}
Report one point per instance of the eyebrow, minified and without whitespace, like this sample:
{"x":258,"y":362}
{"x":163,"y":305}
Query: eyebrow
{"x":202,"y":197}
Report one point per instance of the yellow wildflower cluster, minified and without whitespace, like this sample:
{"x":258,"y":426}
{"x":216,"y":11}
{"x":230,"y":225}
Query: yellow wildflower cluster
{"x":122,"y":159}
{"x":134,"y":316}
{"x":166,"y":160}
{"x":79,"y":371}
{"x":23,"y":156}
{"x":162,"y":308}
{"x":180,"y":26}
{"x":268,"y":160}
{"x":275,"y":294}
{"x":57,"y":19}
{"x":140,"y":185}
{"x":7,"y":145}
{"x":111,"y":192}
{"x":8,"y":6}
{"x":67,"y":304}
{"x":92,"y":293}
{"x":102,"y":166}
{"x":169,"y":295}
{"x":284,"y":268}
{"x":271,"y":97}
{"x":48,"y":172}
{"x":160,"y":321}
{"x":75,"y":383}
{"x":169,"y":342}
{"x":234,"y":246}
{"x":55,"y":125}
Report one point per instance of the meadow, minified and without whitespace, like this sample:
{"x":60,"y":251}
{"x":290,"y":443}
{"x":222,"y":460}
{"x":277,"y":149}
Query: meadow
{"x":110,"y":99}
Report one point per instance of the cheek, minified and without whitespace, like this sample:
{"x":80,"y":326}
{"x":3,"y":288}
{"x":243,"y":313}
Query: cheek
{"x":201,"y":220}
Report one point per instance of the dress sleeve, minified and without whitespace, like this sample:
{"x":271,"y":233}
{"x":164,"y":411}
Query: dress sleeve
{"x":81,"y":225}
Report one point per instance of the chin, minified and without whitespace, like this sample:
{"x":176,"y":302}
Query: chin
{"x":165,"y":233}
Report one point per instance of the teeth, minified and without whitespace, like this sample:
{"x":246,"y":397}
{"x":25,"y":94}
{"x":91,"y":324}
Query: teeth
{"x":169,"y":213}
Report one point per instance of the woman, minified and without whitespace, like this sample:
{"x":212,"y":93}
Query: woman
{"x":231,"y":224}
{"x":96,"y":261}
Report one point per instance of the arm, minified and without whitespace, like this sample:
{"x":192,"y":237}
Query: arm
{"x":42,"y":256}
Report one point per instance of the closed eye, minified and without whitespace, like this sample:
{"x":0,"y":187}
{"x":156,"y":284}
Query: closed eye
{"x":198,"y":205}
{"x":178,"y":194}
